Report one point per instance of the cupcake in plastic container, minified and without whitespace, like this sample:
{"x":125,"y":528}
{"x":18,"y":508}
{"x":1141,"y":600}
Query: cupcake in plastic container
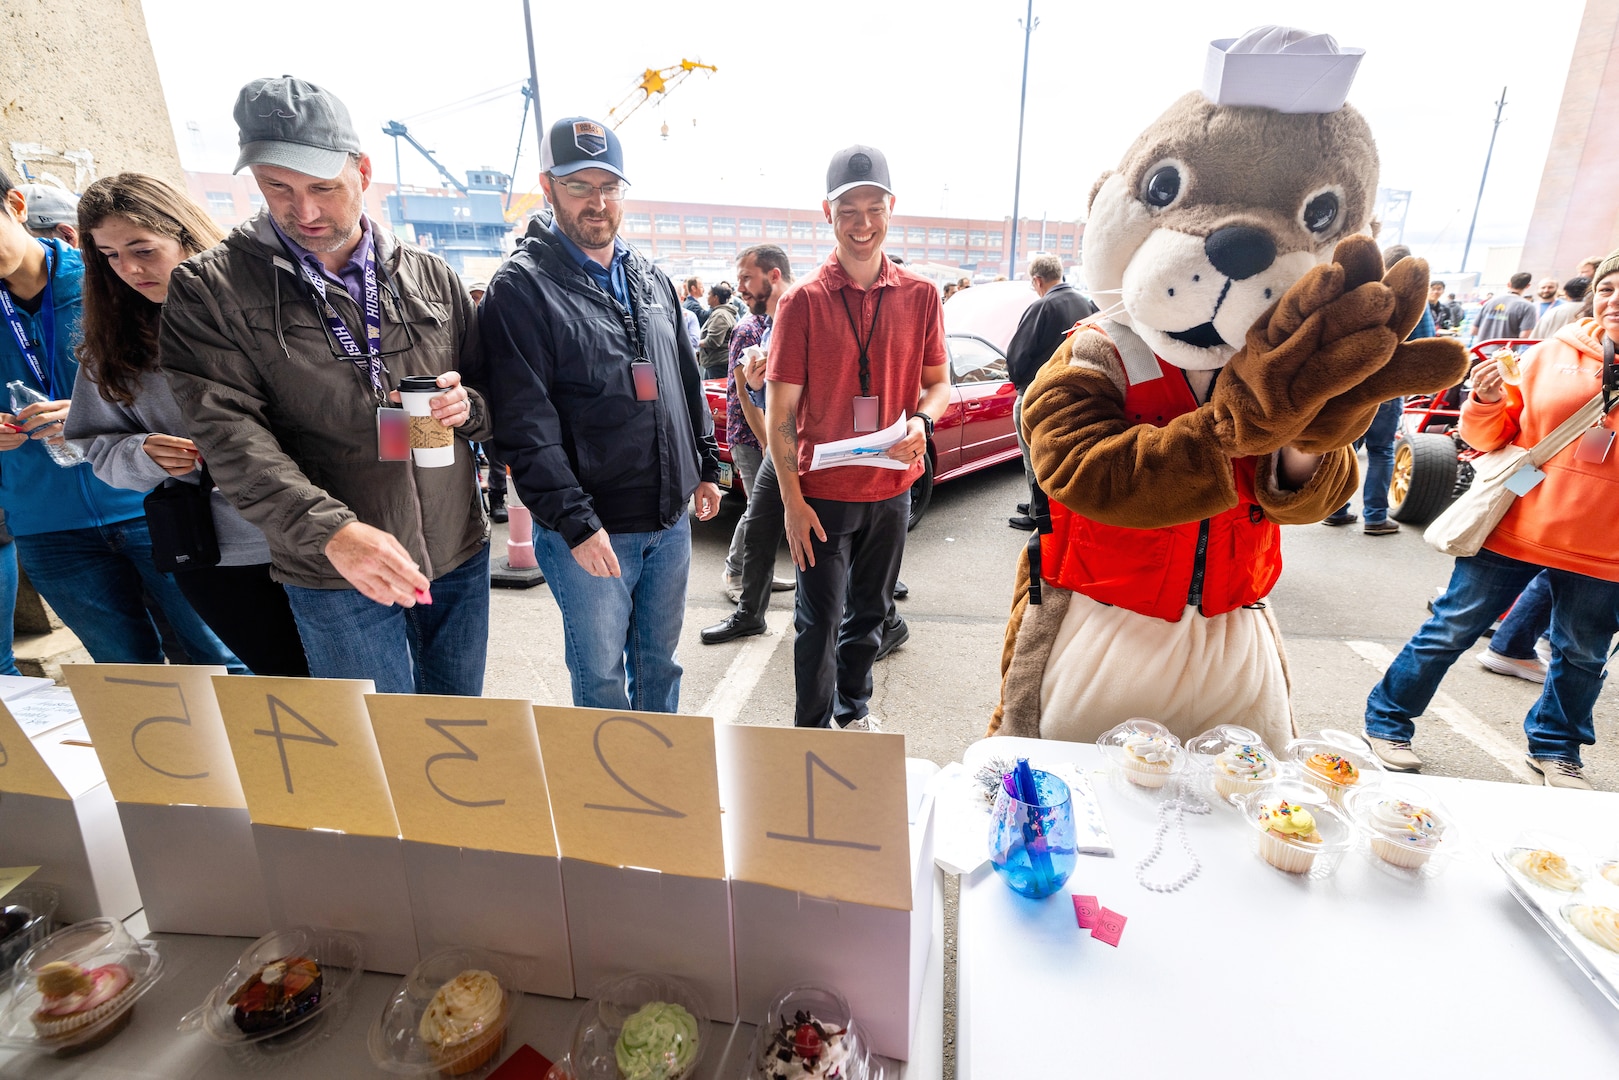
{"x":1404,"y":826}
{"x":77,"y":988}
{"x":280,"y":982}
{"x":25,"y":918}
{"x":809,"y":1034}
{"x":1596,"y":922}
{"x":638,"y":1027}
{"x":1548,"y":861}
{"x":1234,"y":759}
{"x":1143,"y":751}
{"x":1337,"y":762}
{"x":1296,"y":828}
{"x":449,"y":1016}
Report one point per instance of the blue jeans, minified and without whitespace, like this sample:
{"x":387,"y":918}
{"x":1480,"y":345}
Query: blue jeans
{"x":1379,"y":443}
{"x":620,"y":633}
{"x":1527,"y":622}
{"x":8,"y":608}
{"x":1585,"y":616}
{"x":94,"y":578}
{"x":437,"y":648}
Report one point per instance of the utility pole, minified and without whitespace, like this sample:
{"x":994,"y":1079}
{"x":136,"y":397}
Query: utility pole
{"x":1468,"y":246}
{"x":1029,"y":23}
{"x":534,"y":81}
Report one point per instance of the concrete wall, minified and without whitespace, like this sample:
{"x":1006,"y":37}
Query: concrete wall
{"x":1577,"y":209}
{"x":79,"y":92}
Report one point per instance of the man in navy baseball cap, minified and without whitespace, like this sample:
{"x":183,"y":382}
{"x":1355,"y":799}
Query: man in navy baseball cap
{"x":579,"y":142}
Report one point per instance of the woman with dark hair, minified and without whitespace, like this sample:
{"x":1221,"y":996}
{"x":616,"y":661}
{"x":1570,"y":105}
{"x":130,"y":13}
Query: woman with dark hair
{"x":136,"y":229}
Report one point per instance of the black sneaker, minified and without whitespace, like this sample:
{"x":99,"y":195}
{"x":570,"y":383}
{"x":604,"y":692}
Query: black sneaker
{"x":895,"y":634}
{"x":1023,"y":522}
{"x":1342,"y":517}
{"x":1023,"y":508}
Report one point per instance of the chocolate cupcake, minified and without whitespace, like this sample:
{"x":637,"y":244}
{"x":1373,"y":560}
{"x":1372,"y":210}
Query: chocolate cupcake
{"x":277,"y":995}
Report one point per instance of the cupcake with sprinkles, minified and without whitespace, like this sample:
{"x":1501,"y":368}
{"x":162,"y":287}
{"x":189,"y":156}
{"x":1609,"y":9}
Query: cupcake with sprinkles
{"x":1334,"y":761}
{"x":1242,"y":767}
{"x":1290,"y":833}
{"x":1403,"y":833}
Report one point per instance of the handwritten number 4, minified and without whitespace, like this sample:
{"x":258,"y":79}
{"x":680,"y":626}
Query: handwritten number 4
{"x":282,"y":738}
{"x":811,"y":761}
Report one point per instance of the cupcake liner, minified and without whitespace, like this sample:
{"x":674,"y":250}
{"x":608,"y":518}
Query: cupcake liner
{"x":1409,"y":856}
{"x":473,"y":1053}
{"x":1284,"y":855}
{"x":1334,"y":790}
{"x":68,"y":1026}
{"x":1229,"y":787}
{"x":1146,"y":774}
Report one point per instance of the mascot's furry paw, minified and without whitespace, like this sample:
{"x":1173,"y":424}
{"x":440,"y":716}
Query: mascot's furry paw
{"x":1333,"y":329}
{"x":1424,"y":366}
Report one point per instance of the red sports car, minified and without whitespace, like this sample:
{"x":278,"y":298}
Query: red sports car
{"x":976,"y":430}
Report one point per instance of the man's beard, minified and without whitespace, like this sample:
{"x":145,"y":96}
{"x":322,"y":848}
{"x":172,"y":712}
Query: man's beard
{"x":334,"y":240}
{"x":591,"y":235}
{"x":760,"y":304}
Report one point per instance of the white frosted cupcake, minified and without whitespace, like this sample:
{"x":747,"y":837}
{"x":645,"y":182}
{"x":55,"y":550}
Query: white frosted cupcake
{"x":1242,"y":768}
{"x":1548,"y":869}
{"x":1599,"y":924}
{"x":465,"y":1022}
{"x":1403,"y":833}
{"x":1148,"y":759}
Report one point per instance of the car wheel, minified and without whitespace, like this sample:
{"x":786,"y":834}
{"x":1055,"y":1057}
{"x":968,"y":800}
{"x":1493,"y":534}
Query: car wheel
{"x":1424,"y":480}
{"x":921,"y":493}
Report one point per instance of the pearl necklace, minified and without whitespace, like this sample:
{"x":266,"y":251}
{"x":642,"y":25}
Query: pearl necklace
{"x":1173,"y":813}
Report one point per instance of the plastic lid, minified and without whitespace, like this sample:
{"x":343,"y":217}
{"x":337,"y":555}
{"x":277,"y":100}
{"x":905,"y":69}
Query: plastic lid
{"x":1335,"y":757}
{"x":1142,"y":743}
{"x":665,"y":1038}
{"x":1274,"y":808}
{"x":1403,"y":813}
{"x":95,"y":972}
{"x":415,"y":1036}
{"x":283,"y":980}
{"x":1233,"y":739}
{"x":25,"y":916}
{"x":809,"y":1031}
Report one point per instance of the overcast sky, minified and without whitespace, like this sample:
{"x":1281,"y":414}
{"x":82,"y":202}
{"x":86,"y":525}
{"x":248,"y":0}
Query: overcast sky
{"x":935,"y":84}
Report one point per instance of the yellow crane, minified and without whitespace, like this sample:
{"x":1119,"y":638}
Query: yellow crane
{"x":654,"y":81}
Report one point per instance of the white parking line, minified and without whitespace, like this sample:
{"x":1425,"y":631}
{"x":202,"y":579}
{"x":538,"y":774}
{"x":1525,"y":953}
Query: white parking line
{"x":747,"y":668}
{"x":1458,"y":719}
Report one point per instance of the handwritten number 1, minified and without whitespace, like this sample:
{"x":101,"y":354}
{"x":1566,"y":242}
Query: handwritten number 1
{"x":811,"y":761}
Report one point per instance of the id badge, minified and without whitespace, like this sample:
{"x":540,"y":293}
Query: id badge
{"x":393,"y":434}
{"x":1594,"y":446}
{"x":646,"y":380}
{"x":866,"y":413}
{"x":1524,"y":480}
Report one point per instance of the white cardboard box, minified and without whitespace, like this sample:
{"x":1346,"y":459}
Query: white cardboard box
{"x":76,"y":840}
{"x":197,"y":868}
{"x":875,"y":956}
{"x":504,"y":902}
{"x":341,"y":881}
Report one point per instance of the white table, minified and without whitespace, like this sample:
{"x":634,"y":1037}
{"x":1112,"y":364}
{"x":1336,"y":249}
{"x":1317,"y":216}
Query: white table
{"x":1252,"y":972}
{"x":151,"y":1049}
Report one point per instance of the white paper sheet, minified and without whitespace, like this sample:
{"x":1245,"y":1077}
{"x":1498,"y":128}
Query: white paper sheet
{"x":44,"y":709}
{"x":863,"y":449}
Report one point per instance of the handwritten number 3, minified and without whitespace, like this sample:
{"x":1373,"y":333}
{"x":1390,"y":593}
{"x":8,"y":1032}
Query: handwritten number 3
{"x":652,"y":806}
{"x":466,"y":754}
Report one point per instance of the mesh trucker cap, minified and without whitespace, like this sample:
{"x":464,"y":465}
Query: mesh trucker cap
{"x":293,"y":124}
{"x":579,"y":142}
{"x":857,"y":166}
{"x":47,"y":207}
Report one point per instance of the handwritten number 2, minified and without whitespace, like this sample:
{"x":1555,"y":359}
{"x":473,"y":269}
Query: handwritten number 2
{"x":282,"y":738}
{"x":651,"y":806}
{"x":811,"y":762}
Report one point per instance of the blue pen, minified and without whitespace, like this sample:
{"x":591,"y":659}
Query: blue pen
{"x":1034,"y":839}
{"x":866,"y":450}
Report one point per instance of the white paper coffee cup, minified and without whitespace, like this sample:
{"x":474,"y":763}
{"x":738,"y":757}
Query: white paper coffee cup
{"x":432,"y":445}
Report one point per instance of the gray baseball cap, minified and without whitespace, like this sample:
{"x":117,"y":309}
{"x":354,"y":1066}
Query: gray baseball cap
{"x":48,"y":206}
{"x":857,"y":166}
{"x":293,"y":124}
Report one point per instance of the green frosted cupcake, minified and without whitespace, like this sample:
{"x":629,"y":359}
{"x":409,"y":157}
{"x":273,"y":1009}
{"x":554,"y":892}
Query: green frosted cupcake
{"x":657,"y":1042}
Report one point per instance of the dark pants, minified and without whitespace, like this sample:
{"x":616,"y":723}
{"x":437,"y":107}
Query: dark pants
{"x":842,"y":601}
{"x":250,"y":614}
{"x":763,"y":525}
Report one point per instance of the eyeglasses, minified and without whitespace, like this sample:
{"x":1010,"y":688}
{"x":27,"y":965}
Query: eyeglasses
{"x":612,"y":191}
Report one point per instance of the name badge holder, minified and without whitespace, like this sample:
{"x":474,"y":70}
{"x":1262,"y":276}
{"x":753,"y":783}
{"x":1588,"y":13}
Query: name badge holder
{"x":1595,"y":444}
{"x":868,"y":411}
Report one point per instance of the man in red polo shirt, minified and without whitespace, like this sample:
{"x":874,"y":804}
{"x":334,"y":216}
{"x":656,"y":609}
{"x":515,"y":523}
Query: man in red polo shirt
{"x":857,"y":348}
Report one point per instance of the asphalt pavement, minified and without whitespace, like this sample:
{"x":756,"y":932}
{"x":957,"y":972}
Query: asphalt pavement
{"x":1346,"y":603}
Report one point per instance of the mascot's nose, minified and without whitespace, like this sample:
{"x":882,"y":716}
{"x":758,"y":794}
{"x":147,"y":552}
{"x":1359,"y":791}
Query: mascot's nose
{"x":1239,"y":252}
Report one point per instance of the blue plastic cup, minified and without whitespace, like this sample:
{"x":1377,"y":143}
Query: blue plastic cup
{"x":1032,"y":845}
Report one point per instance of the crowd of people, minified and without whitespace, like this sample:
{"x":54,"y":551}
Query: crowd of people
{"x":206,"y":459}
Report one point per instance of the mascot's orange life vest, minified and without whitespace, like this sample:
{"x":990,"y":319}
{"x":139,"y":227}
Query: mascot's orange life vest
{"x":1215,"y":565}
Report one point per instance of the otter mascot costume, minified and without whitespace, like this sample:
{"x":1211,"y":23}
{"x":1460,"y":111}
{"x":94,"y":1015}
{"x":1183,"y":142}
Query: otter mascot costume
{"x":1248,"y":334}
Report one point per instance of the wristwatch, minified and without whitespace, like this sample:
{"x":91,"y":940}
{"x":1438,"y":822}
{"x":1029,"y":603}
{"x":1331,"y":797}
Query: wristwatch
{"x":927,"y":423}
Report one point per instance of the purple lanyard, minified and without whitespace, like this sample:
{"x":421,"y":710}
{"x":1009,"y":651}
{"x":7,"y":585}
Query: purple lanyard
{"x":47,"y":327}
{"x":368,"y":361}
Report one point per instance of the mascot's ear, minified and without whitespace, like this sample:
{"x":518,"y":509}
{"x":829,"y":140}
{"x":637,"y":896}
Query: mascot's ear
{"x":1097,"y":187}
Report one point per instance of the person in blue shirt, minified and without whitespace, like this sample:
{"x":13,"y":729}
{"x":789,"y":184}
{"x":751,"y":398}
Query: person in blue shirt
{"x":84,"y":545}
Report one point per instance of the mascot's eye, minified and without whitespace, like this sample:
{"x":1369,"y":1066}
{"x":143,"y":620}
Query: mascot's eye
{"x":1162,"y":186}
{"x":1320,"y":212}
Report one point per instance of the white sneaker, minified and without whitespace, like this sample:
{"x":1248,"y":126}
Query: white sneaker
{"x":1533,"y":670}
{"x":865,"y":723}
{"x":1543,"y":649}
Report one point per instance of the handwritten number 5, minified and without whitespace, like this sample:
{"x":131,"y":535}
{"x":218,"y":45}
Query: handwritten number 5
{"x":184,"y":720}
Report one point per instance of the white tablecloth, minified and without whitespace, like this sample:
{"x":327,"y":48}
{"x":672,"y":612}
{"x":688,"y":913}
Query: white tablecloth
{"x":1252,"y":972}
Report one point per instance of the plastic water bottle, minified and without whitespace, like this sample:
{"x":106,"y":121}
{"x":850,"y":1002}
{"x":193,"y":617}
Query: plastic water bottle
{"x":61,"y":451}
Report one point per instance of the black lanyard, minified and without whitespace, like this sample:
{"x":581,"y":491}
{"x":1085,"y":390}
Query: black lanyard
{"x":47,"y":327}
{"x":1610,"y":377}
{"x":865,"y":359}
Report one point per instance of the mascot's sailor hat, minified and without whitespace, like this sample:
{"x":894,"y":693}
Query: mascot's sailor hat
{"x":1278,"y":67}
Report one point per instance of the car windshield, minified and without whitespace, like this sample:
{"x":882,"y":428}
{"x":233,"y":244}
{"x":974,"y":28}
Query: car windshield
{"x":972,"y":359}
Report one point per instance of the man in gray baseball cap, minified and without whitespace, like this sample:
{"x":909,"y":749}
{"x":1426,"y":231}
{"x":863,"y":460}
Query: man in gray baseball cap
{"x":285,"y":346}
{"x":53,"y":212}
